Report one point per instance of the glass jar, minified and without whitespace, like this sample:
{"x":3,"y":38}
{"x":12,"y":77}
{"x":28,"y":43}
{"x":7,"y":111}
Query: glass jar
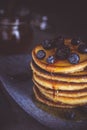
{"x":16,"y":36}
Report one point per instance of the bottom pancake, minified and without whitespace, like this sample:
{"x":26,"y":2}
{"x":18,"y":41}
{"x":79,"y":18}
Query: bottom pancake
{"x":40,"y":97}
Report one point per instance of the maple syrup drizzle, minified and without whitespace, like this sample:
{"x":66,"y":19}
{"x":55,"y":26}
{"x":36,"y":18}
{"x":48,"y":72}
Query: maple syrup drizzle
{"x":53,"y":84}
{"x":53,"y":88}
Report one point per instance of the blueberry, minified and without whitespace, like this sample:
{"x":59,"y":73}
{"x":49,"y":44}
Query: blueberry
{"x":48,"y":44}
{"x":82,"y":48}
{"x":73,"y":58}
{"x":51,"y":59}
{"x":63,"y":52}
{"x":41,"y":54}
{"x":75,"y":41}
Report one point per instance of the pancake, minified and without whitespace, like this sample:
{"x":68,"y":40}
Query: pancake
{"x":66,"y":93}
{"x":76,"y":77}
{"x":66,"y":100}
{"x":60,"y":83}
{"x":48,"y":102}
{"x":60,"y":66}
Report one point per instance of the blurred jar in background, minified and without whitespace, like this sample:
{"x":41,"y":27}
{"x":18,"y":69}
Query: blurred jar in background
{"x":16,"y":34}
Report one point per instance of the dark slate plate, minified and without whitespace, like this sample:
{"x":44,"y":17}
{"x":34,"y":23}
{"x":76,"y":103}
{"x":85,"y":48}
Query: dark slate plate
{"x":17,"y":80}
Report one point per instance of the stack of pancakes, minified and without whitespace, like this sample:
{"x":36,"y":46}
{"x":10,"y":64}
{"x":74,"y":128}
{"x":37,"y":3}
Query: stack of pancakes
{"x":60,"y":84}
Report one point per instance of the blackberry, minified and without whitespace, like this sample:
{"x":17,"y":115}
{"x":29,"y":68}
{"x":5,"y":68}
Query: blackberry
{"x":73,"y":58}
{"x":41,"y":54}
{"x":48,"y":44}
{"x":62,"y":52}
{"x":75,"y":41}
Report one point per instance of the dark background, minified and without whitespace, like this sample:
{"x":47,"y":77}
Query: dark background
{"x":69,"y":17}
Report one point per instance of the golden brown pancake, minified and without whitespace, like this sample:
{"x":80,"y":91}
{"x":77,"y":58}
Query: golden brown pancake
{"x":66,"y":100}
{"x":60,"y":66}
{"x":60,"y":84}
{"x":76,"y":77}
{"x":48,"y":102}
{"x":67,"y":93}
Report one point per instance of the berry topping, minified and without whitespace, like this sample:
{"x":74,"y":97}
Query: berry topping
{"x":73,"y":58}
{"x":50,"y":59}
{"x":75,"y":41}
{"x":82,"y":48}
{"x":63,"y":52}
{"x":48,"y":44}
{"x":41,"y":54}
{"x":59,"y":41}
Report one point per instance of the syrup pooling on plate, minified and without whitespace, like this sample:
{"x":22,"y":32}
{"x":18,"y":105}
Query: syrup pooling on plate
{"x":75,"y":114}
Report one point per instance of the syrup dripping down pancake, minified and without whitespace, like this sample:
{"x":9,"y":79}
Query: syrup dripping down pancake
{"x":48,"y":102}
{"x":76,"y":77}
{"x":60,"y":84}
{"x":65,"y":93}
{"x":63,"y":100}
{"x":60,"y":66}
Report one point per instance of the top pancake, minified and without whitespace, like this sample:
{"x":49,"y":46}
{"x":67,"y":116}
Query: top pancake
{"x":60,"y":66}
